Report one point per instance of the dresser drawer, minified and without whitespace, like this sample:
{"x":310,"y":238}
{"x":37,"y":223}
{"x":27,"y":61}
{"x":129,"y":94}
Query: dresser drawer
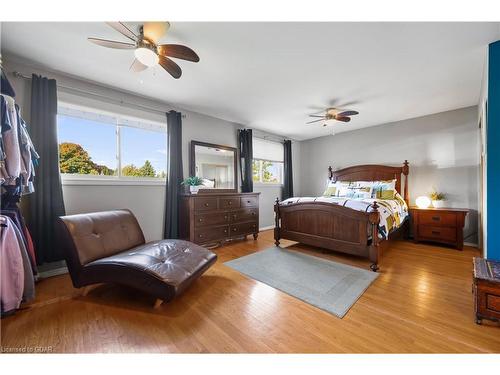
{"x":205,"y":203}
{"x":229,"y":202}
{"x":211,"y":218}
{"x":245,"y":228}
{"x":437,"y":233}
{"x":248,"y":214}
{"x":437,"y":219}
{"x":203,"y":235}
{"x":249,"y":201}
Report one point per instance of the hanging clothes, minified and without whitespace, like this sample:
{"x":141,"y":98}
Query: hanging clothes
{"x":5,"y":85}
{"x":11,"y":268}
{"x":29,"y":280}
{"x":11,"y":142}
{"x":15,"y":215}
{"x":18,"y":159}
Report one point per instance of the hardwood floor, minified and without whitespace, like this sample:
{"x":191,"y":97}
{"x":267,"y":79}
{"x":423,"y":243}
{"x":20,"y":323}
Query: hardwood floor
{"x":421,"y":302}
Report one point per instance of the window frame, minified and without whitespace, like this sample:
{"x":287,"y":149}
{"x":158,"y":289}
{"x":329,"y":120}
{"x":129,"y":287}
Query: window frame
{"x":120,"y":121}
{"x":262,"y":183}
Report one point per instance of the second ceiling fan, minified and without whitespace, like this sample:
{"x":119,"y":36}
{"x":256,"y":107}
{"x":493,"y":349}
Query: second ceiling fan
{"x":337,"y":114}
{"x":148,"y":52}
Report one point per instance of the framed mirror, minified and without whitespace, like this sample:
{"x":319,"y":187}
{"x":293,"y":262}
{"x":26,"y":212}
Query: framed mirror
{"x":216,"y":165}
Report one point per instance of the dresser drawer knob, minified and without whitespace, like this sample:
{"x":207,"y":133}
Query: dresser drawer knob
{"x":234,"y":229}
{"x":206,"y":204}
{"x":200,"y":235}
{"x":230,"y":203}
{"x":200,"y":220}
{"x":234,"y":216}
{"x":249,"y":201}
{"x":225,"y":230}
{"x":225,"y":217}
{"x":253,"y":213}
{"x":436,"y":218}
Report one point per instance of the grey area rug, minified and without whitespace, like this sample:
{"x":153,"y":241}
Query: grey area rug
{"x":331,"y":286}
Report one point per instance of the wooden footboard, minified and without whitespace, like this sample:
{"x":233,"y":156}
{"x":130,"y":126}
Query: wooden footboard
{"x":330,"y":226}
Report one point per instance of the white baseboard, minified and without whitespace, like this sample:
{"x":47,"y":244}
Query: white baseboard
{"x":266,"y":228}
{"x":53,"y":272}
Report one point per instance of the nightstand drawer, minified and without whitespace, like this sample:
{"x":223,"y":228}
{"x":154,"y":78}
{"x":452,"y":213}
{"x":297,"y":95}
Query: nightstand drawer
{"x":438,"y":219}
{"x":437,"y":233}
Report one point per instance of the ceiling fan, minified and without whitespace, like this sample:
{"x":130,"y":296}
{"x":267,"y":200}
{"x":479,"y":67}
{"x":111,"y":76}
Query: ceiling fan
{"x":337,"y":114}
{"x":148,"y":52}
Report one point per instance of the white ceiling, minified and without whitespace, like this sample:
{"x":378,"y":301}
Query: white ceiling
{"x":270,"y":76}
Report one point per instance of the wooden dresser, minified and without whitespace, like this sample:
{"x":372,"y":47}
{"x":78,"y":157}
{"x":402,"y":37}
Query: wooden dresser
{"x":211,"y":219}
{"x":444,"y":225}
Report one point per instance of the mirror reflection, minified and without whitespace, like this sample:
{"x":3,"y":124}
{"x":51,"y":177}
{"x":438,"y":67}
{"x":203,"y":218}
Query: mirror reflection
{"x":215,"y":166}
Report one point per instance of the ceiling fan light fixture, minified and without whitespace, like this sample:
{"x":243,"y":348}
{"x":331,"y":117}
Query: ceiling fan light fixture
{"x":146,"y":56}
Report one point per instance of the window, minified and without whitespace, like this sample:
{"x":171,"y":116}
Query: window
{"x":267,"y":161}
{"x":109,"y":147}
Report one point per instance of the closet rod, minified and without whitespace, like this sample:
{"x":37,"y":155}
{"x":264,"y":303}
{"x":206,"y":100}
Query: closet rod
{"x":80,"y":91}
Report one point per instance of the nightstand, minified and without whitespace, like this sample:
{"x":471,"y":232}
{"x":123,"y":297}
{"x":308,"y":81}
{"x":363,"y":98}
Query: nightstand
{"x":443,"y":225}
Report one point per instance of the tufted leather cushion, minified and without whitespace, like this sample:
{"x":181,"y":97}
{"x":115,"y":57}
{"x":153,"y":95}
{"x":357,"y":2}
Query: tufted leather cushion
{"x":174,"y":262}
{"x":102,"y":234}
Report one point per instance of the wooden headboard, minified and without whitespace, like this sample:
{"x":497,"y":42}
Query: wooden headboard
{"x":374,"y":173}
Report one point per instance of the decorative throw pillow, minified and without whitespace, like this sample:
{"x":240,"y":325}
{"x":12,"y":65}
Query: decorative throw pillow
{"x":384,"y":189}
{"x":330,"y":191}
{"x":355,"y":189}
{"x":344,"y":189}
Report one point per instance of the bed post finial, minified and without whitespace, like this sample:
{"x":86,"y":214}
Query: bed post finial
{"x":406,"y":171}
{"x":330,"y":172}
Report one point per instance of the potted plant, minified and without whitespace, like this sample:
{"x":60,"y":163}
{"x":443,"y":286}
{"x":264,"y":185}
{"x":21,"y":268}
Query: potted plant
{"x":194,"y":183}
{"x":438,"y":199}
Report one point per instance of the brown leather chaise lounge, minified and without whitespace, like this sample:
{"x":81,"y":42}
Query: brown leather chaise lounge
{"x":109,"y":247}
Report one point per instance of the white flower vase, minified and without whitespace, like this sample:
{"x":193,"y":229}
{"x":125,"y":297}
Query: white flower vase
{"x":194,"y":189}
{"x":438,"y":204}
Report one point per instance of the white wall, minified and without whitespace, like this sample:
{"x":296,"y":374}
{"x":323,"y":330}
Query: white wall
{"x":443,"y":151}
{"x":147,"y":202}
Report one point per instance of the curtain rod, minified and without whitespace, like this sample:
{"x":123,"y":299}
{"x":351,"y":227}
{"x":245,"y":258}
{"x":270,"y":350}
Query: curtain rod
{"x":270,"y":137}
{"x":117,"y":101}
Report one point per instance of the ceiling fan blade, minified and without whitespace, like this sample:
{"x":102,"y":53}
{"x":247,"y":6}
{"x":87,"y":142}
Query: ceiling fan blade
{"x":343,"y":119}
{"x":322,"y":116}
{"x":137,"y":66}
{"x":347,"y":113}
{"x":154,"y":31}
{"x":311,"y":122}
{"x":124,"y":30}
{"x":178,"y":51}
{"x":171,"y":67}
{"x":111,"y":43}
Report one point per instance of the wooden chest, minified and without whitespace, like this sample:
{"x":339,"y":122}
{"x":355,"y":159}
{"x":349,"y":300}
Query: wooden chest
{"x":486,"y":289}
{"x":210,"y":219}
{"x":444,"y":225}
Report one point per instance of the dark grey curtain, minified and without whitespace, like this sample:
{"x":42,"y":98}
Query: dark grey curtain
{"x":246,"y":156}
{"x":174,"y":175}
{"x":287,"y":171}
{"x":46,"y":203}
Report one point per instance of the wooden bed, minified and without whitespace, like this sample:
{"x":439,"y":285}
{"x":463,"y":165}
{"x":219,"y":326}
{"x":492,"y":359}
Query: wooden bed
{"x":340,"y":228}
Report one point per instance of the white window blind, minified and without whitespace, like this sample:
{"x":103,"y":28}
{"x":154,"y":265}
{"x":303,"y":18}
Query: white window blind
{"x":267,"y":150}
